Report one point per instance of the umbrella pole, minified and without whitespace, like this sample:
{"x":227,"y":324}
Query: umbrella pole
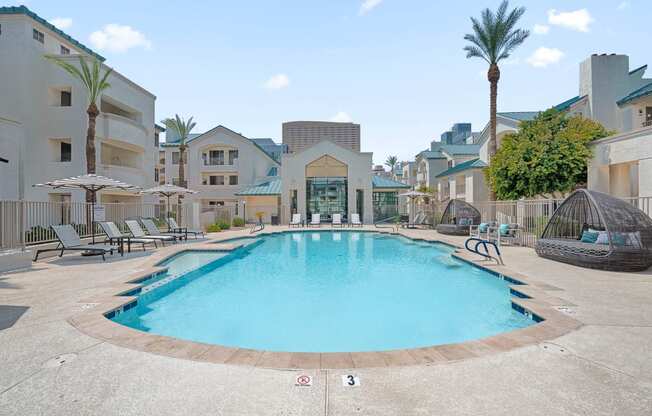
{"x":93,"y":217}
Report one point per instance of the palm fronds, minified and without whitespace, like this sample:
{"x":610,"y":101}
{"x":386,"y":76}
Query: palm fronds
{"x":92,"y":77}
{"x":180,"y":126}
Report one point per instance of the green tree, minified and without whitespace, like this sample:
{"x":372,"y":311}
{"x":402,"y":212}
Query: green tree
{"x":182,"y":128}
{"x":95,"y":83}
{"x":548,"y":154}
{"x":391,"y":163}
{"x":493,"y":39}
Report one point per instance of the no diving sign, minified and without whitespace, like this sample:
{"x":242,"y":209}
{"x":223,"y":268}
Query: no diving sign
{"x":303,"y":381}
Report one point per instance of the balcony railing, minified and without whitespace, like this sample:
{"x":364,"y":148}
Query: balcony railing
{"x":647,"y":123}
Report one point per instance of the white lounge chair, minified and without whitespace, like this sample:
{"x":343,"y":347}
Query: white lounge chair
{"x":137,"y":231}
{"x":69,"y":241}
{"x":296,"y":221}
{"x":337,"y":220}
{"x":315,"y":220}
{"x":114,"y":235}
{"x":355,"y":220}
{"x":152,"y":229}
{"x":174,"y":227}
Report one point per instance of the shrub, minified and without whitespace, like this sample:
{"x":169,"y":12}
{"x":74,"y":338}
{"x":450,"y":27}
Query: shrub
{"x":238,"y":222}
{"x":214,"y":228}
{"x":223,"y":225}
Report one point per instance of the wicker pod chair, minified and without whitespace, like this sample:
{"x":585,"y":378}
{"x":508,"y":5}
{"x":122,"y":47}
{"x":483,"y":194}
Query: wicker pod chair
{"x":624,"y":233}
{"x":458,"y":217}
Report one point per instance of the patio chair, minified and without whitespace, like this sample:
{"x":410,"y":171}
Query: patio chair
{"x":174,"y":227}
{"x":337,"y":220}
{"x":482,"y":230}
{"x":355,"y":220}
{"x":152,"y":229}
{"x":114,"y":235}
{"x":69,"y":241}
{"x":505,"y":233}
{"x":296,"y":221}
{"x":137,"y":231}
{"x":315,"y":220}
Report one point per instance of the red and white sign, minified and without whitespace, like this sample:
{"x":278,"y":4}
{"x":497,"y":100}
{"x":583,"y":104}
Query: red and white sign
{"x":303,"y":381}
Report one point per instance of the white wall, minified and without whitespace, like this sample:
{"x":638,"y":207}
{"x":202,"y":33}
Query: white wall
{"x":11,"y":137}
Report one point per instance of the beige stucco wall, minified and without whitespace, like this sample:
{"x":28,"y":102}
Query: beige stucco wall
{"x":293,"y":175}
{"x":267,"y":204}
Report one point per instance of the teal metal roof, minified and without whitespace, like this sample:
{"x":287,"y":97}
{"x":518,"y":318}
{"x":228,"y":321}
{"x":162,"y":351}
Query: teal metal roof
{"x":429,"y":154}
{"x":268,"y":187}
{"x":460,"y":149}
{"x":469,"y":164}
{"x":520,"y":115}
{"x":568,"y":103}
{"x":381,"y":182}
{"x":641,"y":92}
{"x":633,"y":71}
{"x":273,"y":171}
{"x":27,"y":12}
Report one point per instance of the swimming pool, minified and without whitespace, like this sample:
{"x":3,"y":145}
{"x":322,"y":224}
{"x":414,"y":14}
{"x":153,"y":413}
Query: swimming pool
{"x":328,"y":292}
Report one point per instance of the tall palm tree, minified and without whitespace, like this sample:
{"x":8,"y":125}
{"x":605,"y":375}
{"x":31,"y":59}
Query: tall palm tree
{"x":182,"y":128}
{"x":494,"y":38}
{"x":95,"y":83}
{"x":391,"y":163}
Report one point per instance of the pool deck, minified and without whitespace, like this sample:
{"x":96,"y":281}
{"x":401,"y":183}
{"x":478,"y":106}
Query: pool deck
{"x":602,"y":366}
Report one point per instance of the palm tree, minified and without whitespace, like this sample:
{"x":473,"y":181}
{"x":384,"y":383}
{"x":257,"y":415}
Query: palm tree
{"x":391,"y":163}
{"x":182,"y":128}
{"x":493,"y":39}
{"x":95,"y":83}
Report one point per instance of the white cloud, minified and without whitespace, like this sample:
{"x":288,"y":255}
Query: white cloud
{"x":368,"y":5}
{"x":623,"y":5}
{"x":341,"y":117}
{"x":578,"y":20}
{"x":277,"y":82}
{"x":61,"y":22}
{"x":543,"y":57}
{"x":118,"y":38}
{"x":541,"y":29}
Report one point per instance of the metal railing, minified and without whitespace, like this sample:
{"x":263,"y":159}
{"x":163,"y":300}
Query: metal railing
{"x":24,"y":223}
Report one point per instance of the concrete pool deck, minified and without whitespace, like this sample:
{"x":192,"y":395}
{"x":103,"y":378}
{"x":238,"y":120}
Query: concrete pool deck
{"x":50,"y":367}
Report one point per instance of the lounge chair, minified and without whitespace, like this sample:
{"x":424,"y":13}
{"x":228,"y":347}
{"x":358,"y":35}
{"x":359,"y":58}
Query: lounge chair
{"x":137,"y":231}
{"x":296,"y":221}
{"x":152,"y":229}
{"x":337,"y":220}
{"x":69,"y":241}
{"x":315,"y":220}
{"x":174,"y":227}
{"x":115,"y":236}
{"x":355,"y":220}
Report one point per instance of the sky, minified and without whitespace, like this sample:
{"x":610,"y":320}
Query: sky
{"x":396,"y":67}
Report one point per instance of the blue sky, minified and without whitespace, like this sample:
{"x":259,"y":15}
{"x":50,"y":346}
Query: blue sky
{"x":395,"y":67}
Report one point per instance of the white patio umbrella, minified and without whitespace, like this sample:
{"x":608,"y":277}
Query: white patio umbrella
{"x":93,"y":184}
{"x":413,"y":195}
{"x":167,"y":191}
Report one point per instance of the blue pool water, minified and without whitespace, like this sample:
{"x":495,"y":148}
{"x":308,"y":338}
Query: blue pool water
{"x":328,"y":292}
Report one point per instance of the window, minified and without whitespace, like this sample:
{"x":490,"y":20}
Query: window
{"x":216,"y":203}
{"x":65,"y":152}
{"x":450,"y":164}
{"x":233,"y":180}
{"x":233,"y":155}
{"x":66,"y":99}
{"x":157,"y":140}
{"x":215,"y":157}
{"x":216,"y":180}
{"x":175,"y":158}
{"x":64,"y":50}
{"x":38,"y":36}
{"x":156,"y":177}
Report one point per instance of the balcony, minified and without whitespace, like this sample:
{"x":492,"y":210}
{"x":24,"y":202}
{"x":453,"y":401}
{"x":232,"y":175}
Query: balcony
{"x":115,"y":127}
{"x":130,"y":175}
{"x":207,"y":166}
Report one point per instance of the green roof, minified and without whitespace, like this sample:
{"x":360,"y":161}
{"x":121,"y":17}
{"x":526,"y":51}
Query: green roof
{"x":568,"y":103}
{"x":268,"y":187}
{"x":27,"y":12}
{"x":381,"y":182}
{"x":645,"y":90}
{"x":429,"y":154}
{"x":460,"y":149}
{"x":469,"y":164}
{"x":520,"y":115}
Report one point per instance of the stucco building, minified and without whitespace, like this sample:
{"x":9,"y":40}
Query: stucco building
{"x":299,"y":135}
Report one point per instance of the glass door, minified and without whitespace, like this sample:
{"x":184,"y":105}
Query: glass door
{"x":326,"y":196}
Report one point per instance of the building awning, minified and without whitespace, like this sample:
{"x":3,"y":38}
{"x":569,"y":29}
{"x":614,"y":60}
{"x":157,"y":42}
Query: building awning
{"x":380,"y":182}
{"x":469,"y":164}
{"x":267,"y":187}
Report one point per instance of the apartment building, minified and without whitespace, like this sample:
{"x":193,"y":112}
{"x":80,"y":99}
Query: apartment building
{"x":43,"y":118}
{"x":275,"y":150}
{"x":300,"y":135}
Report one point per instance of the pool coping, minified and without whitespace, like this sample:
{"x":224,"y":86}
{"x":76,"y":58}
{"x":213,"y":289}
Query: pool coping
{"x":528,"y":294}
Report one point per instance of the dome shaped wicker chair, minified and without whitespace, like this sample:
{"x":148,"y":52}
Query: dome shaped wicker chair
{"x":596,"y":230}
{"x":458,"y":217}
